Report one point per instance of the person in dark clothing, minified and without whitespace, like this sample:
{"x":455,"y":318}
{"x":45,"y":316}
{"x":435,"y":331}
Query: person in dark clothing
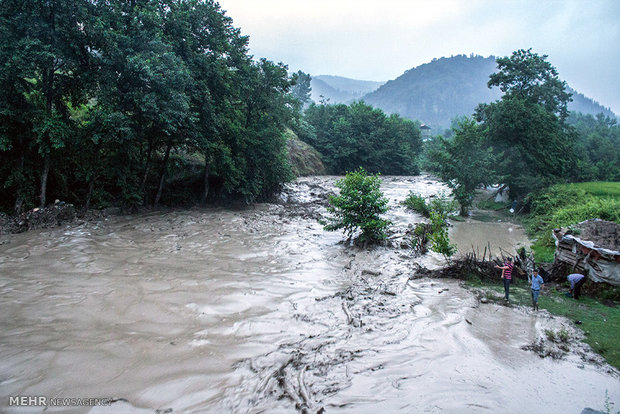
{"x":576,"y":281}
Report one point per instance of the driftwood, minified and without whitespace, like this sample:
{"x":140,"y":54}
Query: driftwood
{"x":482,"y":267}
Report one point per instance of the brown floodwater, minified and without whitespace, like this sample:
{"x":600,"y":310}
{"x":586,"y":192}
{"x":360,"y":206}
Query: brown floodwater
{"x":260,"y":310}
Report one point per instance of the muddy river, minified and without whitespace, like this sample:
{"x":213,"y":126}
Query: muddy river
{"x":260,"y":310}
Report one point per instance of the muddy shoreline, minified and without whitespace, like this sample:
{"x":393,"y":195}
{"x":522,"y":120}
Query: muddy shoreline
{"x":260,"y":310}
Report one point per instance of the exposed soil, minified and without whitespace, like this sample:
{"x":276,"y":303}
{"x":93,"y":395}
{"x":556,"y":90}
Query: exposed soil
{"x":602,"y":233}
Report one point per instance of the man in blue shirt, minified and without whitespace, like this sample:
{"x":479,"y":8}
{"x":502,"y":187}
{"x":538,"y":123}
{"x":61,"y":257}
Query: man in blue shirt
{"x":536,"y":283}
{"x":576,"y":282}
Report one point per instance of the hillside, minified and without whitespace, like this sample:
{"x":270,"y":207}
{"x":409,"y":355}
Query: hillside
{"x":304,"y":159}
{"x":339,"y":89}
{"x":436,"y":92}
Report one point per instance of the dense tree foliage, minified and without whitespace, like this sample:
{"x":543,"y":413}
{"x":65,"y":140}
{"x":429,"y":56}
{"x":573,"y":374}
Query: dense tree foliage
{"x":358,"y":207}
{"x":301,"y":87}
{"x":97,"y":98}
{"x":527,"y":139}
{"x":597,"y":147}
{"x":359,"y":135}
{"x":464,"y":161}
{"x":526,"y":128}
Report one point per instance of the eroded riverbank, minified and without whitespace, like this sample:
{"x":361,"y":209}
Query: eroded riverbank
{"x":261,"y":310}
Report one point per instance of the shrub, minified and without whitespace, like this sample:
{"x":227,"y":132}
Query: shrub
{"x":440,"y":242}
{"x":441,"y":203}
{"x":358,"y":207}
{"x":416,"y":203}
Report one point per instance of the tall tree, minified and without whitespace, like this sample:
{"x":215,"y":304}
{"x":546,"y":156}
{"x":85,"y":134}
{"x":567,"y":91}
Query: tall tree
{"x":526,"y":75}
{"x":464,"y":161}
{"x":97,"y":98}
{"x":526,"y":128}
{"x":43,"y":45}
{"x":301,"y":87}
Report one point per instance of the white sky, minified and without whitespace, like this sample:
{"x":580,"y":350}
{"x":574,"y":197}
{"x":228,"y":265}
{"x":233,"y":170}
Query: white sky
{"x":380,"y":39}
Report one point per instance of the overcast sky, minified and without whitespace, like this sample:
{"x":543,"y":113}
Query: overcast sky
{"x":380,"y":39}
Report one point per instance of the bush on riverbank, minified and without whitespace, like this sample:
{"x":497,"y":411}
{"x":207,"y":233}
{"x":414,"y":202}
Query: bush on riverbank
{"x":440,"y":203}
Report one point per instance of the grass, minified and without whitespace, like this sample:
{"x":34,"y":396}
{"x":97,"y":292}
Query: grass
{"x":599,"y":188}
{"x":491,"y":205}
{"x":566,"y":204}
{"x":600,"y":323}
{"x":543,"y":252}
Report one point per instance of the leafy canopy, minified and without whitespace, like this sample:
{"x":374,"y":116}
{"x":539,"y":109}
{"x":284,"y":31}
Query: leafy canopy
{"x":359,"y":207}
{"x":360,"y":135}
{"x":526,"y":129}
{"x":463,"y":162}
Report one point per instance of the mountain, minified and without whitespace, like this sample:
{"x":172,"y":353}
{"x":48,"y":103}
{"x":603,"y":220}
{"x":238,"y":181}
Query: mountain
{"x":339,"y":89}
{"x":436,"y":92}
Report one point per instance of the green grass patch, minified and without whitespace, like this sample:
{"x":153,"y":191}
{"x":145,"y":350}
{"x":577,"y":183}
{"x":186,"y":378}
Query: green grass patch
{"x":491,"y":205}
{"x":600,"y":323}
{"x":543,"y":252}
{"x":599,"y":188}
{"x":564,"y":205}
{"x":484,"y":217}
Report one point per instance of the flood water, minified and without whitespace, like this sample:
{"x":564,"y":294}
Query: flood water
{"x":260,"y":310}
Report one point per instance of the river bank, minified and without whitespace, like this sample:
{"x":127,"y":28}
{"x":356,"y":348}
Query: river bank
{"x":259,"y":309}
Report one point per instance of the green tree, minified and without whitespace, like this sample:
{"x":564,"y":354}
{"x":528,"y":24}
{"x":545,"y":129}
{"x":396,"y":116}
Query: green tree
{"x":464,"y":162}
{"x":45,"y":58}
{"x":598,"y":146}
{"x":301,"y":87}
{"x":97,"y":98}
{"x":528,"y":76}
{"x":359,"y":135}
{"x":358,"y":208}
{"x":526,"y":128}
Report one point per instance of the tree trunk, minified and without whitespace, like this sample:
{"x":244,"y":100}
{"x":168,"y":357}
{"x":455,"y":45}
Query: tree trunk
{"x":463,"y":212}
{"x":91,"y":188}
{"x":146,"y":170}
{"x":19,"y":199}
{"x":162,"y":174}
{"x":44,"y":174}
{"x":48,"y":92}
{"x":205,"y":191}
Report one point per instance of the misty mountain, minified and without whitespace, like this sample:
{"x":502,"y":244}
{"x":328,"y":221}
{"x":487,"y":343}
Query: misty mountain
{"x":339,"y":89}
{"x":436,"y":92}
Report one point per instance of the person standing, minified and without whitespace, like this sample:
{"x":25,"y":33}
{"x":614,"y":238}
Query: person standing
{"x":536,"y":284}
{"x":506,"y":276}
{"x":576,"y":281}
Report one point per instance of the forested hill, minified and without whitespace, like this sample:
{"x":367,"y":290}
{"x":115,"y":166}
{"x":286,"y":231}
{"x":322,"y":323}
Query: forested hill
{"x":436,"y":92}
{"x":337,"y":89}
